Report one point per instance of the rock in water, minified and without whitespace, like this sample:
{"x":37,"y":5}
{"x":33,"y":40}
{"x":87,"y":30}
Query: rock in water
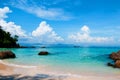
{"x":7,"y":54}
{"x":115,"y":56}
{"x":43,"y":53}
{"x":117,"y":64}
{"x":110,"y":64}
{"x":42,"y":47}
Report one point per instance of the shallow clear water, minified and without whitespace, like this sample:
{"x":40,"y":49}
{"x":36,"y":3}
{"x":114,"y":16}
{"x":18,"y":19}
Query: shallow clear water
{"x":67,"y":60}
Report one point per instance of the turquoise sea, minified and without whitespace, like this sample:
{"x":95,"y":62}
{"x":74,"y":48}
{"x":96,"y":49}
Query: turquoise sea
{"x":81,"y":60}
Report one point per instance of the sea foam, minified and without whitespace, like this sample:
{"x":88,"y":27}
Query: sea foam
{"x":15,"y":65}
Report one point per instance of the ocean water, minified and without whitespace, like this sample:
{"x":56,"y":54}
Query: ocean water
{"x":88,"y":60}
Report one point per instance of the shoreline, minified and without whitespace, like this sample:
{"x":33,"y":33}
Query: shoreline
{"x":17,"y":72}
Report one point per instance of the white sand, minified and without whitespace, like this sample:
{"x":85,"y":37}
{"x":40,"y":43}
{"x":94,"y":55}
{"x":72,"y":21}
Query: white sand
{"x":33,"y":72}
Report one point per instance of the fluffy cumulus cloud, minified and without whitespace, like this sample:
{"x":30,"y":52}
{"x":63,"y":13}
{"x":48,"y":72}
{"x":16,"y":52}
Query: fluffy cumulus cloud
{"x":45,"y":33}
{"x":10,"y":26}
{"x":85,"y":29}
{"x":84,"y":37}
{"x":3,"y":12}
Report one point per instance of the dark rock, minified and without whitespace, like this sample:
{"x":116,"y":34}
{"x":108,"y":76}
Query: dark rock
{"x":43,"y":53}
{"x":42,"y":47}
{"x":76,"y":46}
{"x":115,"y":56}
{"x":110,"y":64}
{"x":27,"y":47}
{"x":117,"y":64}
{"x":7,"y":54}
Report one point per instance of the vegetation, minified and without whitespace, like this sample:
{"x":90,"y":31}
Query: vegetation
{"x":6,"y":41}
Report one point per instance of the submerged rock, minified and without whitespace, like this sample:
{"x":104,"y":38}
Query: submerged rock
{"x":110,"y":64}
{"x":7,"y":54}
{"x":42,"y":47}
{"x":43,"y":53}
{"x":76,"y":46}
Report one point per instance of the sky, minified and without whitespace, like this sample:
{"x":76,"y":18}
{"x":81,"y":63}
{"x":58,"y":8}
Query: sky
{"x":84,"y":22}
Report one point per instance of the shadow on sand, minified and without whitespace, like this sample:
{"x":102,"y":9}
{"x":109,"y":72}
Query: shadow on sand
{"x":36,"y":77}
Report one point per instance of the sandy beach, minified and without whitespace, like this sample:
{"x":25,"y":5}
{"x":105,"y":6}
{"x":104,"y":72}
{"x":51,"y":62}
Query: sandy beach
{"x":23,"y":73}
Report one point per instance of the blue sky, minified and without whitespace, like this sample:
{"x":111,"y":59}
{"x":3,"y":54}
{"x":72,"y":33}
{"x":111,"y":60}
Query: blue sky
{"x":87,"y":22}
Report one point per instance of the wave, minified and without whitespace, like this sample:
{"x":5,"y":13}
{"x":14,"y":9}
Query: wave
{"x":15,"y":65}
{"x":48,"y":73}
{"x":66,"y":75}
{"x":53,"y":74}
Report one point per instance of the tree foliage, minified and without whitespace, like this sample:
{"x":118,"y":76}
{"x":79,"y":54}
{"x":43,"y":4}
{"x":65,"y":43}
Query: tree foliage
{"x":6,"y":41}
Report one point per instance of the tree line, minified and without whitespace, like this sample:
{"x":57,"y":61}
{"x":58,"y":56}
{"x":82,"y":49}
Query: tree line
{"x":8,"y":41}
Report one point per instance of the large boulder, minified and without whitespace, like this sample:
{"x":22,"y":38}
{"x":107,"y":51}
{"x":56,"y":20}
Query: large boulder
{"x":117,"y":64}
{"x":115,"y":56}
{"x":43,"y":53}
{"x":7,"y":54}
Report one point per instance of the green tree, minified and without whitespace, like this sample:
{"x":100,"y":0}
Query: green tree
{"x":6,"y":41}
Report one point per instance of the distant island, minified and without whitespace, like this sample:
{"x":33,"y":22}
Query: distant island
{"x":8,"y":41}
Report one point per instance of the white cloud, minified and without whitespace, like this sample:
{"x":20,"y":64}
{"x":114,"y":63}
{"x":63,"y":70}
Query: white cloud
{"x":10,"y":26}
{"x":42,"y":29}
{"x":54,"y":14}
{"x":45,"y":33}
{"x":85,"y":37}
{"x":3,"y":12}
{"x":85,"y":29}
{"x":40,"y":10}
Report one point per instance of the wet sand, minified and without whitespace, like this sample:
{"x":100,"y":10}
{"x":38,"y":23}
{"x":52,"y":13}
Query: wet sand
{"x":23,"y":73}
{"x":5,"y":70}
